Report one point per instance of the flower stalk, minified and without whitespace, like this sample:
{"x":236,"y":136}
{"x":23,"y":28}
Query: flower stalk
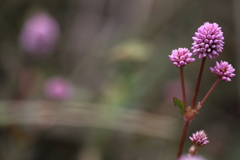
{"x":183,"y":87}
{"x":183,"y":137}
{"x":210,"y":91}
{"x":198,"y":83}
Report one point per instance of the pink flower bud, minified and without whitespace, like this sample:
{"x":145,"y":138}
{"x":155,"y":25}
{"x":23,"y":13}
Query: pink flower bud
{"x":199,"y":138}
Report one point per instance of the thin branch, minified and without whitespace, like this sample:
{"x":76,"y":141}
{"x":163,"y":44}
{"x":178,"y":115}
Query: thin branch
{"x":210,"y":91}
{"x":198,"y":83}
{"x":183,"y":87}
{"x":183,"y":137}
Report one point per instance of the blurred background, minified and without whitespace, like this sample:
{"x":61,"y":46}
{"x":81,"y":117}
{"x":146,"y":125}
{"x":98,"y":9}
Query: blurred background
{"x":91,"y":79}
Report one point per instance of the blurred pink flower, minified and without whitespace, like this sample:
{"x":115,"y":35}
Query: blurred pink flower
{"x":191,"y":157}
{"x":58,"y":88}
{"x":39,"y":34}
{"x":199,"y":138}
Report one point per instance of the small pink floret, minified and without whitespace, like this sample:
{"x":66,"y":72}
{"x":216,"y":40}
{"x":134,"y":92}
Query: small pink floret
{"x":199,"y":138}
{"x":223,"y":70}
{"x":181,"y":57}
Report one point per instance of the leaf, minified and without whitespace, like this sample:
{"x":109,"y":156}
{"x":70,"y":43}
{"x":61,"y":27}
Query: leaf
{"x":179,"y":104}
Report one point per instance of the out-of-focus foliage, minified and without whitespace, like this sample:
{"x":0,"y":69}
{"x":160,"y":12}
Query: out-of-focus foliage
{"x":114,"y":55}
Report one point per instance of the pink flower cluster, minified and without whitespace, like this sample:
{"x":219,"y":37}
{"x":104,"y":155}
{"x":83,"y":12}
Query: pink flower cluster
{"x":199,"y":138}
{"x":181,"y":57}
{"x":223,"y":70}
{"x":208,"y":41}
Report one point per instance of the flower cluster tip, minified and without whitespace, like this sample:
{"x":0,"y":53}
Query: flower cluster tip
{"x":223,"y":70}
{"x":208,"y":41}
{"x":199,"y":138}
{"x":181,"y":57}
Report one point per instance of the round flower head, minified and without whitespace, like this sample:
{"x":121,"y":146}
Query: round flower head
{"x":208,"y":41}
{"x":58,"y":88}
{"x":190,"y":157}
{"x":39,"y":34}
{"x":223,"y":70}
{"x":199,"y":138}
{"x":181,"y":57}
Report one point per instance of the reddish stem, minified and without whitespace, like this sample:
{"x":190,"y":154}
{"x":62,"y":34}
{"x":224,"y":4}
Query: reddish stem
{"x":183,"y":87}
{"x":210,"y":91}
{"x":184,"y":133}
{"x":198,"y":83}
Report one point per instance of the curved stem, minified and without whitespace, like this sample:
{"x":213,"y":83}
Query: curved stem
{"x":183,"y":87}
{"x":210,"y":91}
{"x":184,"y":133}
{"x":198,"y":83}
